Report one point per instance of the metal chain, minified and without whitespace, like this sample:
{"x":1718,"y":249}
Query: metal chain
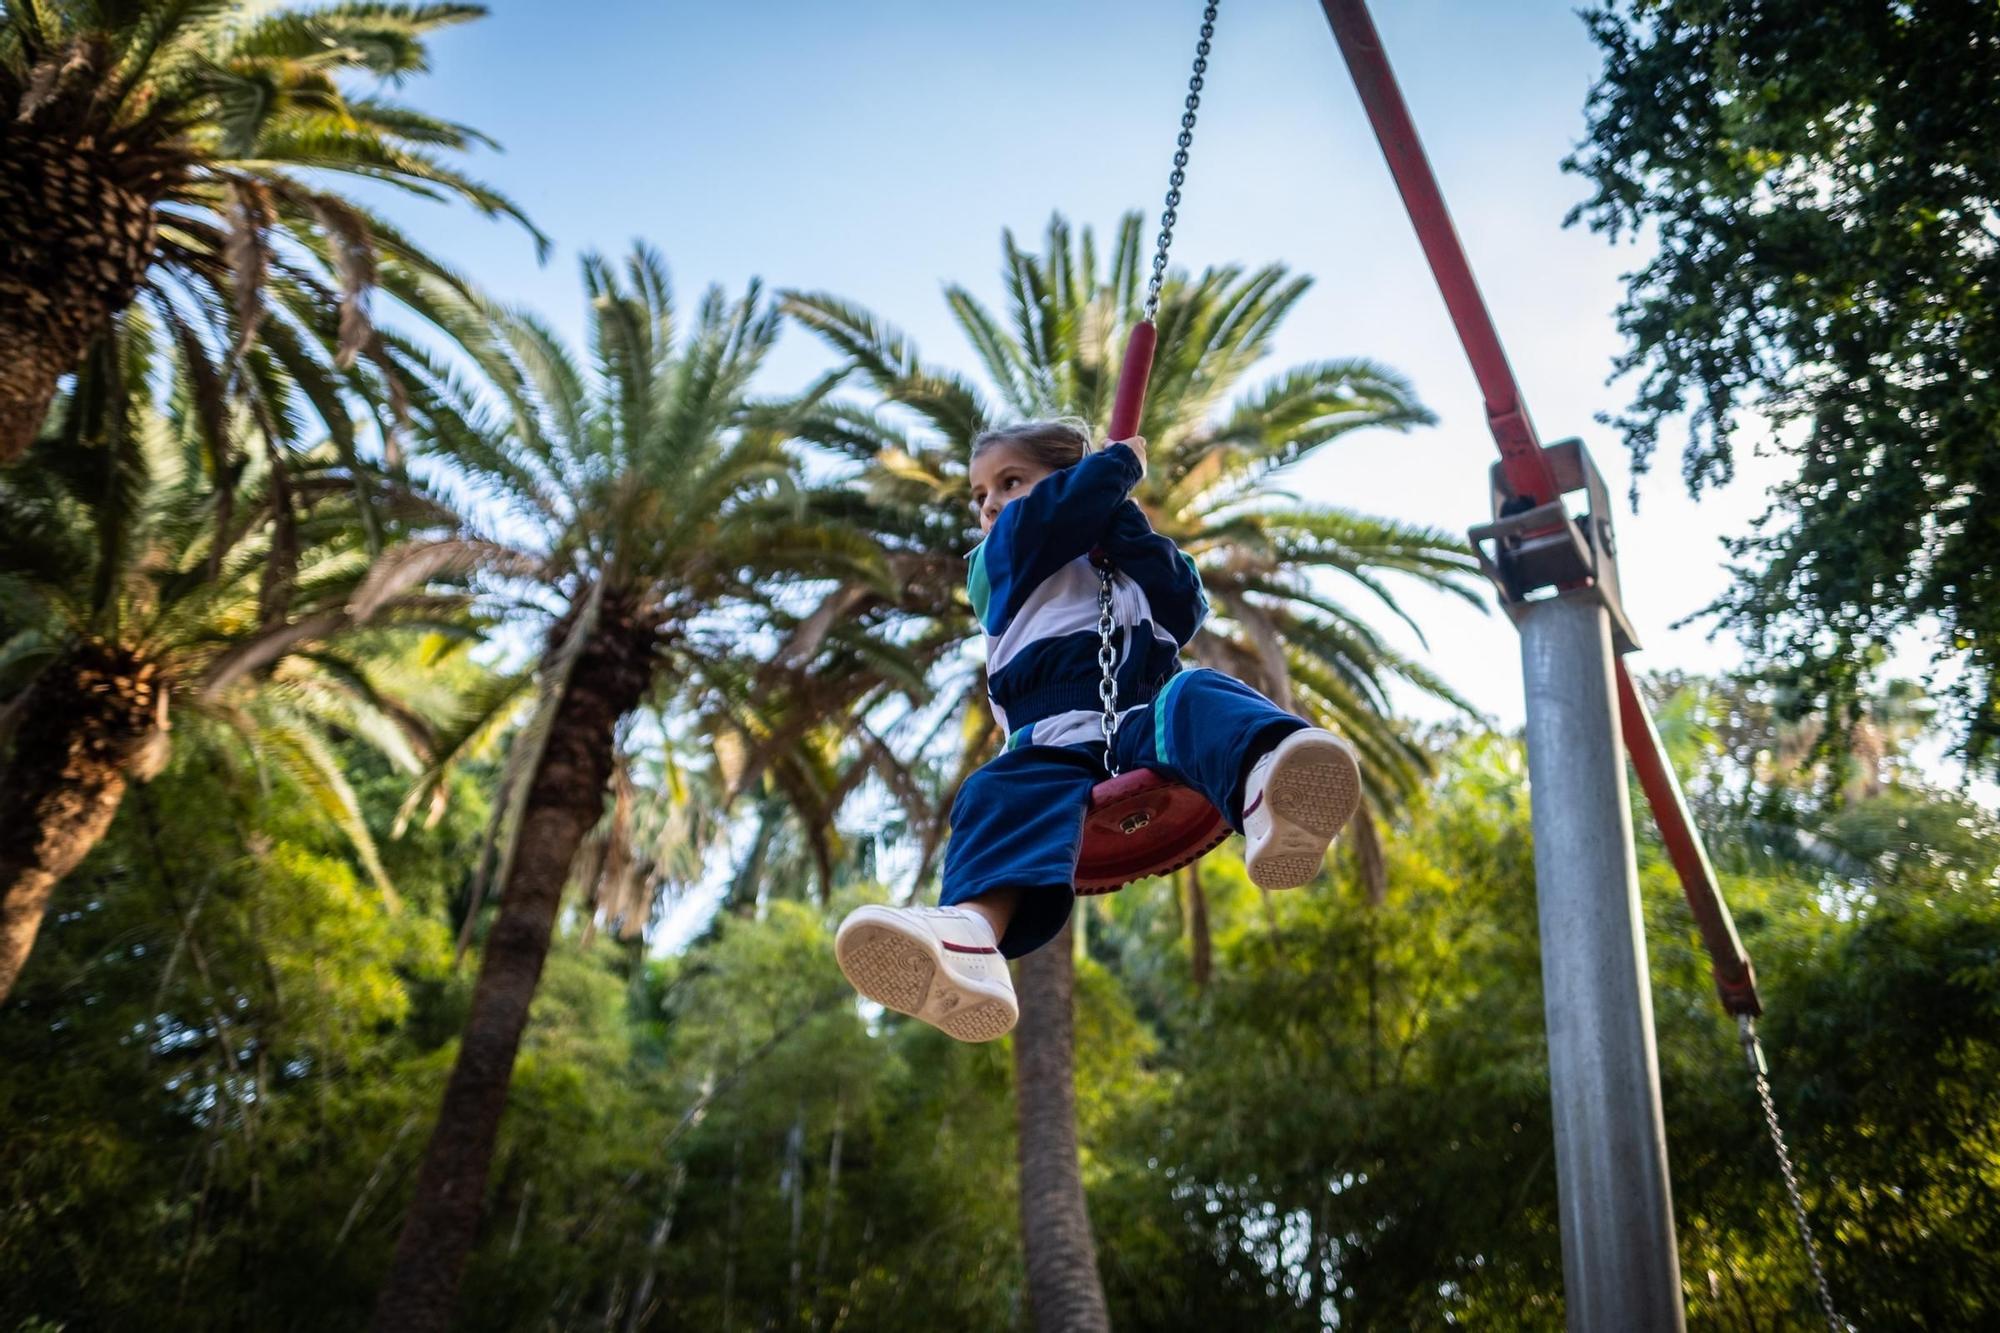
{"x":1753,"y":1051}
{"x":1179,"y":176}
{"x":1107,"y":659}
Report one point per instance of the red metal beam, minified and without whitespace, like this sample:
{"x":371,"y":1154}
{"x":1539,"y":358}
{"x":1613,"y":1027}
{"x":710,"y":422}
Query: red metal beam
{"x":1527,"y":470}
{"x":1735,"y":979}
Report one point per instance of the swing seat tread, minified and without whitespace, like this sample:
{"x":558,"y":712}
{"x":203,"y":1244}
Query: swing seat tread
{"x":1142,"y":824}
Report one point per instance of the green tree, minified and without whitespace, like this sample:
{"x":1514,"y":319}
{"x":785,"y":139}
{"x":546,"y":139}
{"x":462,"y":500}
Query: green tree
{"x":797,"y":727}
{"x":1353,"y":1121}
{"x":166,"y":149}
{"x":221,"y":1048}
{"x":1871,"y":920}
{"x":1351,"y":1126}
{"x":129,"y":597}
{"x":1821,"y":180}
{"x":219,"y":1066}
{"x":1209,"y":487}
{"x":640,"y":510}
{"x":1769,"y":788}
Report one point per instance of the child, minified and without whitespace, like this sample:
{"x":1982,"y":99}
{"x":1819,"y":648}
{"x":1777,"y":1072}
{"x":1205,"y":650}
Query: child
{"x":1046,"y":504}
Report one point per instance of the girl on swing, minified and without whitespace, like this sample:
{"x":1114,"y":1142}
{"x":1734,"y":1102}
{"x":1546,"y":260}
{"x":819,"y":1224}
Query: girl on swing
{"x":1046,"y":503}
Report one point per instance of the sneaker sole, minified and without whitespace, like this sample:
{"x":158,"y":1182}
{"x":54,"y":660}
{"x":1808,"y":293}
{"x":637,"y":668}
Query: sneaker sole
{"x":1313,"y":792}
{"x":901,"y":972}
{"x":887,"y":966}
{"x":982,"y":1020}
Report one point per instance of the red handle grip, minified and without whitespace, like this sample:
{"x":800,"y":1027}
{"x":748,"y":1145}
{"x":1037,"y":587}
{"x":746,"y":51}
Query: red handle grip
{"x":1138,"y":368}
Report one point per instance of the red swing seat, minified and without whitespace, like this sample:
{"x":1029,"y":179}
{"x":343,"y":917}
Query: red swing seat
{"x":1141,"y":824}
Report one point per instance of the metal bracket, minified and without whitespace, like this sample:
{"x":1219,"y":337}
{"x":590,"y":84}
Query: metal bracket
{"x":1531,"y":551}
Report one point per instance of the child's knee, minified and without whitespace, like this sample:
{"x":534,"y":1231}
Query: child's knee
{"x":1201,"y":710}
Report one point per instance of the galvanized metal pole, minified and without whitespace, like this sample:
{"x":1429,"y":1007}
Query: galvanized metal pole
{"x":1620,"y":1269}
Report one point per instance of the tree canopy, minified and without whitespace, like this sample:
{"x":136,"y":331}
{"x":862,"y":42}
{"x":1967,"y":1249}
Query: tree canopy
{"x":1822,"y":181}
{"x":219,"y":1066}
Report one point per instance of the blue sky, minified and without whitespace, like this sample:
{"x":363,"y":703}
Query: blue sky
{"x":875,"y":149}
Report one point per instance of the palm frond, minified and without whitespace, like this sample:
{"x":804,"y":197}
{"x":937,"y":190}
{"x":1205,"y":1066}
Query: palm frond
{"x":303,"y":755}
{"x":888,"y":361}
{"x":418,"y":563}
{"x":483,"y":714}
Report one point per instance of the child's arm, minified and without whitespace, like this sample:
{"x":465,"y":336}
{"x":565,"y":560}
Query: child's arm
{"x":1062,"y":518}
{"x":1161,"y":570}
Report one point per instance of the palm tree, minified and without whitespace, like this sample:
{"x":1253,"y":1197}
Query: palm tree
{"x":801,"y":730}
{"x":665,"y":818}
{"x":162,"y":147}
{"x":643,"y":510}
{"x":1779,"y":786}
{"x":1266,"y":560}
{"x":124,"y":602}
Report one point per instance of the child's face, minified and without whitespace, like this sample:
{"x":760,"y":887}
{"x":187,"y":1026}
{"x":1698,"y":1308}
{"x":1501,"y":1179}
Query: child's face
{"x":1001,"y":474}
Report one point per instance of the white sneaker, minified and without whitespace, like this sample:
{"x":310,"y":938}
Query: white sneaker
{"x":1298,"y":797}
{"x":938,"y":964}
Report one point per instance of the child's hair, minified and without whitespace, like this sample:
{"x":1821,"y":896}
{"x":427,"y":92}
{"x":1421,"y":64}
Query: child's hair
{"x":1054,"y":444}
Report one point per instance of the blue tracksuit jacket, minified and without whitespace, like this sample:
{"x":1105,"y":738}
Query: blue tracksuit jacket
{"x":1035,"y":593}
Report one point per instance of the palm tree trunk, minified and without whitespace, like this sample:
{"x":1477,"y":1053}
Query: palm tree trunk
{"x":30,"y":369}
{"x":76,"y":241}
{"x":91,"y":722}
{"x":1055,"y":1222}
{"x":565,"y":800}
{"x":1371,"y":864}
{"x":1201,"y":945}
{"x":744,"y":888}
{"x":826,"y":1208}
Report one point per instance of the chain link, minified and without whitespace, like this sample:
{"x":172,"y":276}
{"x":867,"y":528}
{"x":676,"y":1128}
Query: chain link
{"x":1753,"y":1051}
{"x":1179,"y":176}
{"x":1107,"y":661}
{"x":1107,"y":657}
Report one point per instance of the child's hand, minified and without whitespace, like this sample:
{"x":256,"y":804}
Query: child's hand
{"x":1137,"y":444}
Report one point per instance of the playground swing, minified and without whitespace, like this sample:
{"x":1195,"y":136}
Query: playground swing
{"x":1142,"y":824}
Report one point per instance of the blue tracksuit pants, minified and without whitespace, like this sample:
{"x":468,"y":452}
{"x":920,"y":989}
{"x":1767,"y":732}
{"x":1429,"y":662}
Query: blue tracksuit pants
{"x":1018,"y":821}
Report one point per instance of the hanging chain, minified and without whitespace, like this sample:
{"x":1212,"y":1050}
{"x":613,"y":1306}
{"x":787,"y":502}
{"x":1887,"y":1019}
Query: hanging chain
{"x":1179,"y":176}
{"x":1107,"y":659}
{"x":1753,"y":1051}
